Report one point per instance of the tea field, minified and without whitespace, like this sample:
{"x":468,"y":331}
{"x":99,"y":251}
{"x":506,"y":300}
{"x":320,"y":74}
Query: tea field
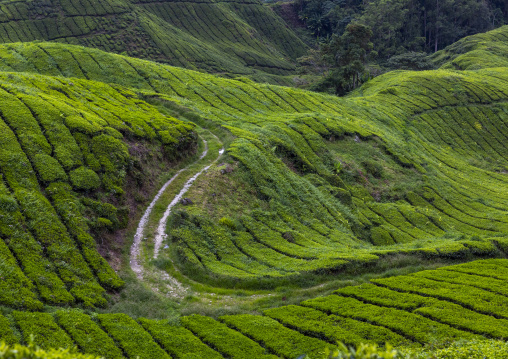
{"x":410,"y":169}
{"x":406,"y":311}
{"x":192,"y":34}
{"x":438,"y":188}
{"x":64,"y":160}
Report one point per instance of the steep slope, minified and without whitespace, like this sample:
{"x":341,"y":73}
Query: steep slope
{"x":193,"y":34}
{"x":413,"y":162}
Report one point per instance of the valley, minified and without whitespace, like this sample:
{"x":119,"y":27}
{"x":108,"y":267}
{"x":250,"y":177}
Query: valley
{"x":210,"y":210}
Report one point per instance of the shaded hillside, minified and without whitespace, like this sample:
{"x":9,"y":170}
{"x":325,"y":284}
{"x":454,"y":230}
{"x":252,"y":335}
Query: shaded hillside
{"x":193,"y":35}
{"x":413,"y":162}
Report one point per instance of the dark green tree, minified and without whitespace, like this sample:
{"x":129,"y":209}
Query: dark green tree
{"x":346,"y":56}
{"x":401,"y":26}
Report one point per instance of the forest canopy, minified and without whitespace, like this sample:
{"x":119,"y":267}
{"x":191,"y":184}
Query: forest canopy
{"x":401,"y":26}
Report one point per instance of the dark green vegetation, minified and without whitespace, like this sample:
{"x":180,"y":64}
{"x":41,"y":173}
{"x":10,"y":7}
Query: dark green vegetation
{"x":406,"y":311}
{"x":475,"y":52}
{"x":193,"y":34}
{"x":65,"y":163}
{"x":399,"y":26}
{"x":411,"y":163}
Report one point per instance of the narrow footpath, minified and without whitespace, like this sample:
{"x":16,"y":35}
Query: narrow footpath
{"x":145,"y":233}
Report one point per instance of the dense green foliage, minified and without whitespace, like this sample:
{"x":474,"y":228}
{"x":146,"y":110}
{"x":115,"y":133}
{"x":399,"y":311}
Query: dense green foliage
{"x":87,"y":334}
{"x":476,"y":349}
{"x":34,"y":352}
{"x":401,"y":26}
{"x":475,"y":52}
{"x":411,"y":164}
{"x":346,"y":57}
{"x":42,"y":327}
{"x":371,"y":175}
{"x":51,"y":132}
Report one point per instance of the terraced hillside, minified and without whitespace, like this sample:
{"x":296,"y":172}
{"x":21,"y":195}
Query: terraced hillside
{"x":192,"y":34}
{"x":475,"y":52}
{"x":311,"y":187}
{"x":67,"y":154}
{"x":412,"y":163}
{"x":466,"y":301}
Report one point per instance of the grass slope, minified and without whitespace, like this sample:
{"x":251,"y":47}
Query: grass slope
{"x":475,"y":52}
{"x":192,"y":34}
{"x":466,"y":302}
{"x":412,"y":163}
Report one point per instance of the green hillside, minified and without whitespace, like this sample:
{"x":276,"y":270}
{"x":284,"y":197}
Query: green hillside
{"x":340,"y":181}
{"x":475,"y":52}
{"x":194,"y":34}
{"x":410,"y":170}
{"x":65,"y":162}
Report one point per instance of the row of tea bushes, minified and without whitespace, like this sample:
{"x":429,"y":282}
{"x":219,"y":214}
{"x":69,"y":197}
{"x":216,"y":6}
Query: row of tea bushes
{"x":64,"y":155}
{"x":371,"y":313}
{"x":286,"y":145}
{"x":192,"y":34}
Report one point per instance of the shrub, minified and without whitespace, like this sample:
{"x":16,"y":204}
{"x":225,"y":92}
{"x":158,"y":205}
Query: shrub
{"x":474,"y":349}
{"x":374,"y":168}
{"x":178,"y":341}
{"x":49,"y":169}
{"x":87,"y":334}
{"x":83,"y":178}
{"x":362,"y":351}
{"x":42,"y":329}
{"x":69,"y":209}
{"x":227,"y":341}
{"x":8,"y":203}
{"x":6,"y":334}
{"x":271,"y":334}
{"x":380,"y":237}
{"x":131,"y":337}
{"x":33,"y":352}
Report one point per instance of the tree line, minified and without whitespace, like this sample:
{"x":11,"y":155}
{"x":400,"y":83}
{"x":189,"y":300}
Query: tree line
{"x":400,"y":26}
{"x":360,"y":39}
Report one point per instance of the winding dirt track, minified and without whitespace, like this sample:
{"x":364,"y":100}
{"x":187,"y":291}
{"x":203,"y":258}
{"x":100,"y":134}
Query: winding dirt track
{"x":172,"y":284}
{"x":161,"y":235}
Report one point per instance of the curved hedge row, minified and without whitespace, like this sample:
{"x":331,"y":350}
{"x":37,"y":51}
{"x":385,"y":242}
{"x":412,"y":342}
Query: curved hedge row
{"x":412,"y":163}
{"x":190,"y":34}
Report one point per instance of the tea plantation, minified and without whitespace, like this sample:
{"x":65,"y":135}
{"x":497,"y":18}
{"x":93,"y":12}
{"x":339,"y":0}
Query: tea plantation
{"x":407,"y":311}
{"x":411,"y":167}
{"x":64,"y":159}
{"x":192,"y":34}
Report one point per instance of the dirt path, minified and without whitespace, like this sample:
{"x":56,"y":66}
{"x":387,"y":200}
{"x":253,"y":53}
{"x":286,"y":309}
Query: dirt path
{"x":138,"y":237}
{"x":171,"y":286}
{"x":161,"y":235}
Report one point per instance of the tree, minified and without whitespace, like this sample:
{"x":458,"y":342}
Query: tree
{"x":402,"y":26}
{"x":346,"y":57}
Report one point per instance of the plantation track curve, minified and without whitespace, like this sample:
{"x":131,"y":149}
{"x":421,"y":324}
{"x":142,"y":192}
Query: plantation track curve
{"x":160,"y":235}
{"x":161,"y":229}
